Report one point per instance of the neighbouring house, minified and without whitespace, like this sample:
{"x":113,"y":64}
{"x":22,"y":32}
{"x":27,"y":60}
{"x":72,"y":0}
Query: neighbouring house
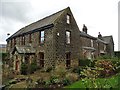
{"x":2,"y":48}
{"x":53,"y":40}
{"x":110,"y":45}
{"x":88,"y":44}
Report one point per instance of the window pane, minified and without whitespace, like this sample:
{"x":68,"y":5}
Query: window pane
{"x":42,"y":37}
{"x":91,"y":43}
{"x":42,"y":40}
{"x":67,"y":37}
{"x":42,"y":33}
{"x":68,"y":19}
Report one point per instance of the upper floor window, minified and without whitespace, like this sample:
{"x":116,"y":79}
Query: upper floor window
{"x":11,"y":43}
{"x":68,"y":19}
{"x":68,"y":37}
{"x":14,"y":41}
{"x":23,"y":40}
{"x":104,"y":47}
{"x":30,"y":38}
{"x":42,"y":35}
{"x":91,"y":43}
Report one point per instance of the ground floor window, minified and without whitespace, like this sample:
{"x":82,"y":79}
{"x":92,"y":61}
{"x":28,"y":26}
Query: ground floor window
{"x":41,"y":59}
{"x":68,"y":59}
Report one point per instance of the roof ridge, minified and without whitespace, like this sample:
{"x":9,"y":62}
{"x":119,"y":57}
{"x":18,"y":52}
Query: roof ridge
{"x":32,"y":26}
{"x":44,"y":18}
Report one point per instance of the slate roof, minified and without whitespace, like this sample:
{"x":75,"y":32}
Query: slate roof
{"x":83,"y":34}
{"x":107,"y":38}
{"x":38,"y":24}
{"x":102,"y":41}
{"x":24,"y":49}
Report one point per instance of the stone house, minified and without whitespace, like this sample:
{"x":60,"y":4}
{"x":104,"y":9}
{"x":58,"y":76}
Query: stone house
{"x":110,"y":45}
{"x":2,"y":48}
{"x":51,"y":41}
{"x":88,"y":44}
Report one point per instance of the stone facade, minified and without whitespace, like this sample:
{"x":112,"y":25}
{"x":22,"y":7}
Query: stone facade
{"x":55,"y":39}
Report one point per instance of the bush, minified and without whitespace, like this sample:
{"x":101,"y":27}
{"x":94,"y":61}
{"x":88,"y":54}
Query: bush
{"x":77,"y":70}
{"x":53,"y":79}
{"x":107,"y":67}
{"x":116,"y":64}
{"x":41,"y":81}
{"x":49,"y":69}
{"x":66,"y":81}
{"x":84,"y":62}
{"x":59,"y":71}
{"x":90,"y":73}
{"x":24,"y":69}
{"x":72,"y":77}
{"x":47,"y":82}
{"x":105,"y":57}
{"x":33,"y":67}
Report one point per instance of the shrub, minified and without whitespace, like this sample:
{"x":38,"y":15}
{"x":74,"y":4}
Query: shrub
{"x":49,"y":69}
{"x":84,"y":62}
{"x":33,"y":67}
{"x":77,"y":69}
{"x":105,"y":57}
{"x":72,"y":77}
{"x":47,"y":82}
{"x":53,"y":79}
{"x":41,"y":81}
{"x":107,"y":67}
{"x":116,"y":64}
{"x":59,"y":71}
{"x":90,"y":73}
{"x":66,"y":81}
{"x":24,"y":69}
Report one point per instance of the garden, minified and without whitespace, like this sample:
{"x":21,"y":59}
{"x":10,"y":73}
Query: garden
{"x":104,"y":72}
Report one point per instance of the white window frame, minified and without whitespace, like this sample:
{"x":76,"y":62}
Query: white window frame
{"x":42,"y":36}
{"x":68,"y":34}
{"x":92,"y":43}
{"x":68,"y":19}
{"x":104,"y":47}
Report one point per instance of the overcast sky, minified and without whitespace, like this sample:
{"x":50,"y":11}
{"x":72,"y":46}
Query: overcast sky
{"x":98,"y":15}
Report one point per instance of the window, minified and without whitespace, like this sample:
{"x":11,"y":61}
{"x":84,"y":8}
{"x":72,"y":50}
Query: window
{"x":41,"y":59}
{"x":68,"y":37}
{"x":23,"y":40}
{"x":14,"y":41}
{"x":68,"y":19}
{"x":30,"y":38}
{"x":68,"y":59}
{"x":42,"y":37}
{"x":91,"y":43}
{"x":11,"y":43}
{"x":19,"y":41}
{"x":104,"y":47}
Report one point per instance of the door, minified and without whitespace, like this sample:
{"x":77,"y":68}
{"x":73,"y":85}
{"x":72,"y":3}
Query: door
{"x":41,"y":59}
{"x":68,"y":59}
{"x":17,"y":65}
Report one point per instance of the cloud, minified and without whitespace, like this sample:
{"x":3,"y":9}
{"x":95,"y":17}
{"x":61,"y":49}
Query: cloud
{"x":15,"y":10}
{"x":13,"y":16}
{"x":99,"y":16}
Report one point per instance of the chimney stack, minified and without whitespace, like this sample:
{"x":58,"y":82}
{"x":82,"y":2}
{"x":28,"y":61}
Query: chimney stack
{"x":100,"y":36}
{"x":84,"y":29}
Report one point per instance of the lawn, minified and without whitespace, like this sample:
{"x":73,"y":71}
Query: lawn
{"x":110,"y":82}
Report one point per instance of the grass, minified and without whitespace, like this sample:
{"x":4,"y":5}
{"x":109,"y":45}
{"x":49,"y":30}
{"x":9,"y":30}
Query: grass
{"x":99,"y":82}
